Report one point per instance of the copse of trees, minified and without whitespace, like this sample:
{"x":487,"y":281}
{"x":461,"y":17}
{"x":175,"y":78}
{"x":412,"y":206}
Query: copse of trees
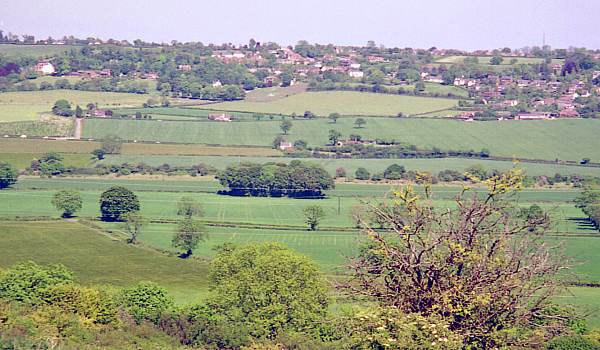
{"x":298,"y":179}
{"x":8,"y":175}
{"x":50,"y":164}
{"x":62,"y":108}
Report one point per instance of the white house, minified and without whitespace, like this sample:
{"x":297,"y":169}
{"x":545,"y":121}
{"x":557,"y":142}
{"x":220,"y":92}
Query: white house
{"x":45,"y":68}
{"x":356,"y":74}
{"x":285,"y":145}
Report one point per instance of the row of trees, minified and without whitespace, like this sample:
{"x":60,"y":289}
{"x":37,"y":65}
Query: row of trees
{"x":8,"y":175}
{"x":589,"y":203}
{"x":298,"y":179}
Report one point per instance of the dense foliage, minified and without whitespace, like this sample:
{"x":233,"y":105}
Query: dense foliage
{"x":67,"y":201}
{"x":116,"y":202}
{"x":589,"y":203}
{"x":8,"y":175}
{"x":50,"y":164}
{"x":268,"y":288}
{"x":298,"y":179}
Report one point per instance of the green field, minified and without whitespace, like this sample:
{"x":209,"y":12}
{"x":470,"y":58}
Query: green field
{"x":18,"y":145}
{"x":344,"y":102}
{"x":98,"y":259}
{"x":274,"y":93}
{"x":210,"y":185}
{"x":552,"y":139}
{"x":433,"y":166}
{"x":328,"y":248}
{"x":27,"y":105}
{"x":158,"y":201}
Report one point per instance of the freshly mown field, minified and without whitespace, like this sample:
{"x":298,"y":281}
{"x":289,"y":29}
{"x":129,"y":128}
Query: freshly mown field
{"x":97,"y":259}
{"x":27,"y":105}
{"x":344,"y":102}
{"x":553,"y":139}
{"x":328,"y":248}
{"x":15,"y":145}
{"x":374,"y":166}
{"x":274,"y":93}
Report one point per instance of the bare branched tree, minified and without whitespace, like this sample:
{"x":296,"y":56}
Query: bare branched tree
{"x":479,"y":264}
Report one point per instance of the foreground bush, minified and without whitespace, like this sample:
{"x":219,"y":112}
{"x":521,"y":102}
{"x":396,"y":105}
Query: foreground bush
{"x":28,"y":282}
{"x":268,"y":288}
{"x":146,"y":301}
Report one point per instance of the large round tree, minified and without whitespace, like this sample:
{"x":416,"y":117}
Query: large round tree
{"x":116,"y":202}
{"x":8,"y":175}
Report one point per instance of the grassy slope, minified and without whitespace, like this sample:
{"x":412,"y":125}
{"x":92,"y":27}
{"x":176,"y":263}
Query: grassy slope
{"x":344,"y":102}
{"x":96,"y":259}
{"x":562,"y":139}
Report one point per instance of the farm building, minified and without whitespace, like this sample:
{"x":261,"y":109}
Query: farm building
{"x":100,"y":112}
{"x":285,"y":145}
{"x":45,"y":68}
{"x":534,"y":116}
{"x":569,"y":113}
{"x":222,"y":117}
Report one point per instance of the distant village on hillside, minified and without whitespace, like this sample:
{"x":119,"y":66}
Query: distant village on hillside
{"x":531,"y":83}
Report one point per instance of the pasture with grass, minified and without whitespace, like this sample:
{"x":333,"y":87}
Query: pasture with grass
{"x":549,"y":140}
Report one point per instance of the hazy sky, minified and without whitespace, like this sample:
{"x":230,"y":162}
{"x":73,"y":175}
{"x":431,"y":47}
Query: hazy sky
{"x":466,"y":24}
